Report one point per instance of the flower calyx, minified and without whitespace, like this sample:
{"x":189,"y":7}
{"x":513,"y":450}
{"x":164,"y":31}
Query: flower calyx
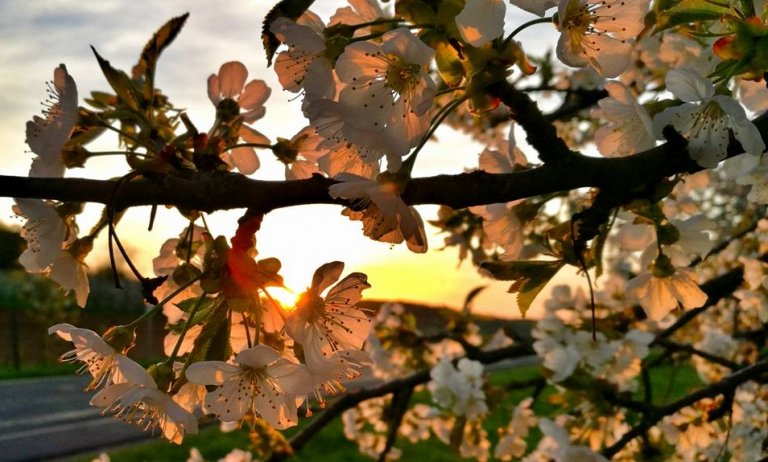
{"x":120,"y":338}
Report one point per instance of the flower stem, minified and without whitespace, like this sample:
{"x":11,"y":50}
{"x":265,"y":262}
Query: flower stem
{"x":130,"y":137}
{"x":249,"y":145}
{"x":376,"y":23}
{"x":446,"y":91}
{"x":115,"y":153}
{"x":441,"y":115}
{"x":184,"y":330}
{"x":524,"y":26}
{"x":151,"y":312}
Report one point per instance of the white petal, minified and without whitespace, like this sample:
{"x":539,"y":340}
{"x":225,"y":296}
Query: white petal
{"x":688,"y":85}
{"x":326,"y":275}
{"x":210,"y":372}
{"x":481,"y":21}
{"x":257,"y":357}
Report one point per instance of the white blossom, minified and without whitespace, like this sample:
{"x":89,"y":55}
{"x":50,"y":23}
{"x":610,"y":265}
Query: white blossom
{"x":706,"y":118}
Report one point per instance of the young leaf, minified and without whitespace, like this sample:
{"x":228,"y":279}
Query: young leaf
{"x":529,"y":276}
{"x":148,"y":59}
{"x":416,"y":11}
{"x":290,"y":9}
{"x":213,"y":341}
{"x":120,"y":82}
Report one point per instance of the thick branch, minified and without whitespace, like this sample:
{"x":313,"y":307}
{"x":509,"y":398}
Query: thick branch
{"x":541,"y":133}
{"x":209,"y":191}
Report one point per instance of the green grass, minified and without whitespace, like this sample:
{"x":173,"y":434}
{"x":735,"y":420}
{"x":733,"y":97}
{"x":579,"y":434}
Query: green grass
{"x":38,"y":370}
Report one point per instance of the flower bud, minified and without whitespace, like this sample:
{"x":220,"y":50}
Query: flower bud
{"x":74,"y":155}
{"x":663,"y":267}
{"x":667,"y":234}
{"x":163,"y":375}
{"x":227,"y":110}
{"x":121,"y":338}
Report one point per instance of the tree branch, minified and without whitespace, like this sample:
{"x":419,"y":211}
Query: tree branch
{"x":209,"y":191}
{"x":725,"y":386}
{"x":685,"y":348}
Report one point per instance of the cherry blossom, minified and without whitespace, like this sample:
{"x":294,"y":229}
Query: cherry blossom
{"x":751,"y":171}
{"x":230,"y":85}
{"x":660,"y":295}
{"x":46,"y":136}
{"x":459,"y":389}
{"x":136,"y":399}
{"x":349,"y":150}
{"x":502,"y":227}
{"x":753,"y":95}
{"x":174,"y":253}
{"x":303,"y":66}
{"x":598,"y":33}
{"x":259,"y":381}
{"x":557,"y":445}
{"x":706,"y":124}
{"x":385,"y":216}
{"x":329,"y":372}
{"x":512,"y":443}
{"x":325,"y":325}
{"x":359,"y":12}
{"x":629,"y":127}
{"x":387,"y":87}
{"x":97,"y":356}
{"x":52,"y":247}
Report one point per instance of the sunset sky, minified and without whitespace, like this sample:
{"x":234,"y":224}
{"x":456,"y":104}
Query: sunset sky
{"x":37,"y":36}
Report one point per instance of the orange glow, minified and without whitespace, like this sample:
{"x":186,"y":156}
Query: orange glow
{"x":286,"y":297}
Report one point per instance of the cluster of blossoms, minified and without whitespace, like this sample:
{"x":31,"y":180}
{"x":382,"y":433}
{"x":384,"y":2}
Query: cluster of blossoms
{"x":459,"y":390}
{"x":564,"y":348}
{"x":311,"y":353}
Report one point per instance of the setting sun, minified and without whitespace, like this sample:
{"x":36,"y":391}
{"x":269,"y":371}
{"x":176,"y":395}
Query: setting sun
{"x":286,"y":297}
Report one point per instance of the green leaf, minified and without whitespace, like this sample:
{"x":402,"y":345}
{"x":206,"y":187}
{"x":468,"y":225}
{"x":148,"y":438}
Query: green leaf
{"x":290,"y":9}
{"x":530,"y":278}
{"x":120,"y":82}
{"x":188,"y":304}
{"x":201,"y":316}
{"x":449,"y":64}
{"x":415,"y":11}
{"x":213,"y":341}
{"x":148,"y":59}
{"x":690,"y":11}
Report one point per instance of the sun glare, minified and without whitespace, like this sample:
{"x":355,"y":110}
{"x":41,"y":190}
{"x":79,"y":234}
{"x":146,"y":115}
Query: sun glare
{"x":286,"y":297}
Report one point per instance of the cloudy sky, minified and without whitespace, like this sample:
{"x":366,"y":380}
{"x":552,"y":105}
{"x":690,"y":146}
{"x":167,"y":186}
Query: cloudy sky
{"x":39,"y":35}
